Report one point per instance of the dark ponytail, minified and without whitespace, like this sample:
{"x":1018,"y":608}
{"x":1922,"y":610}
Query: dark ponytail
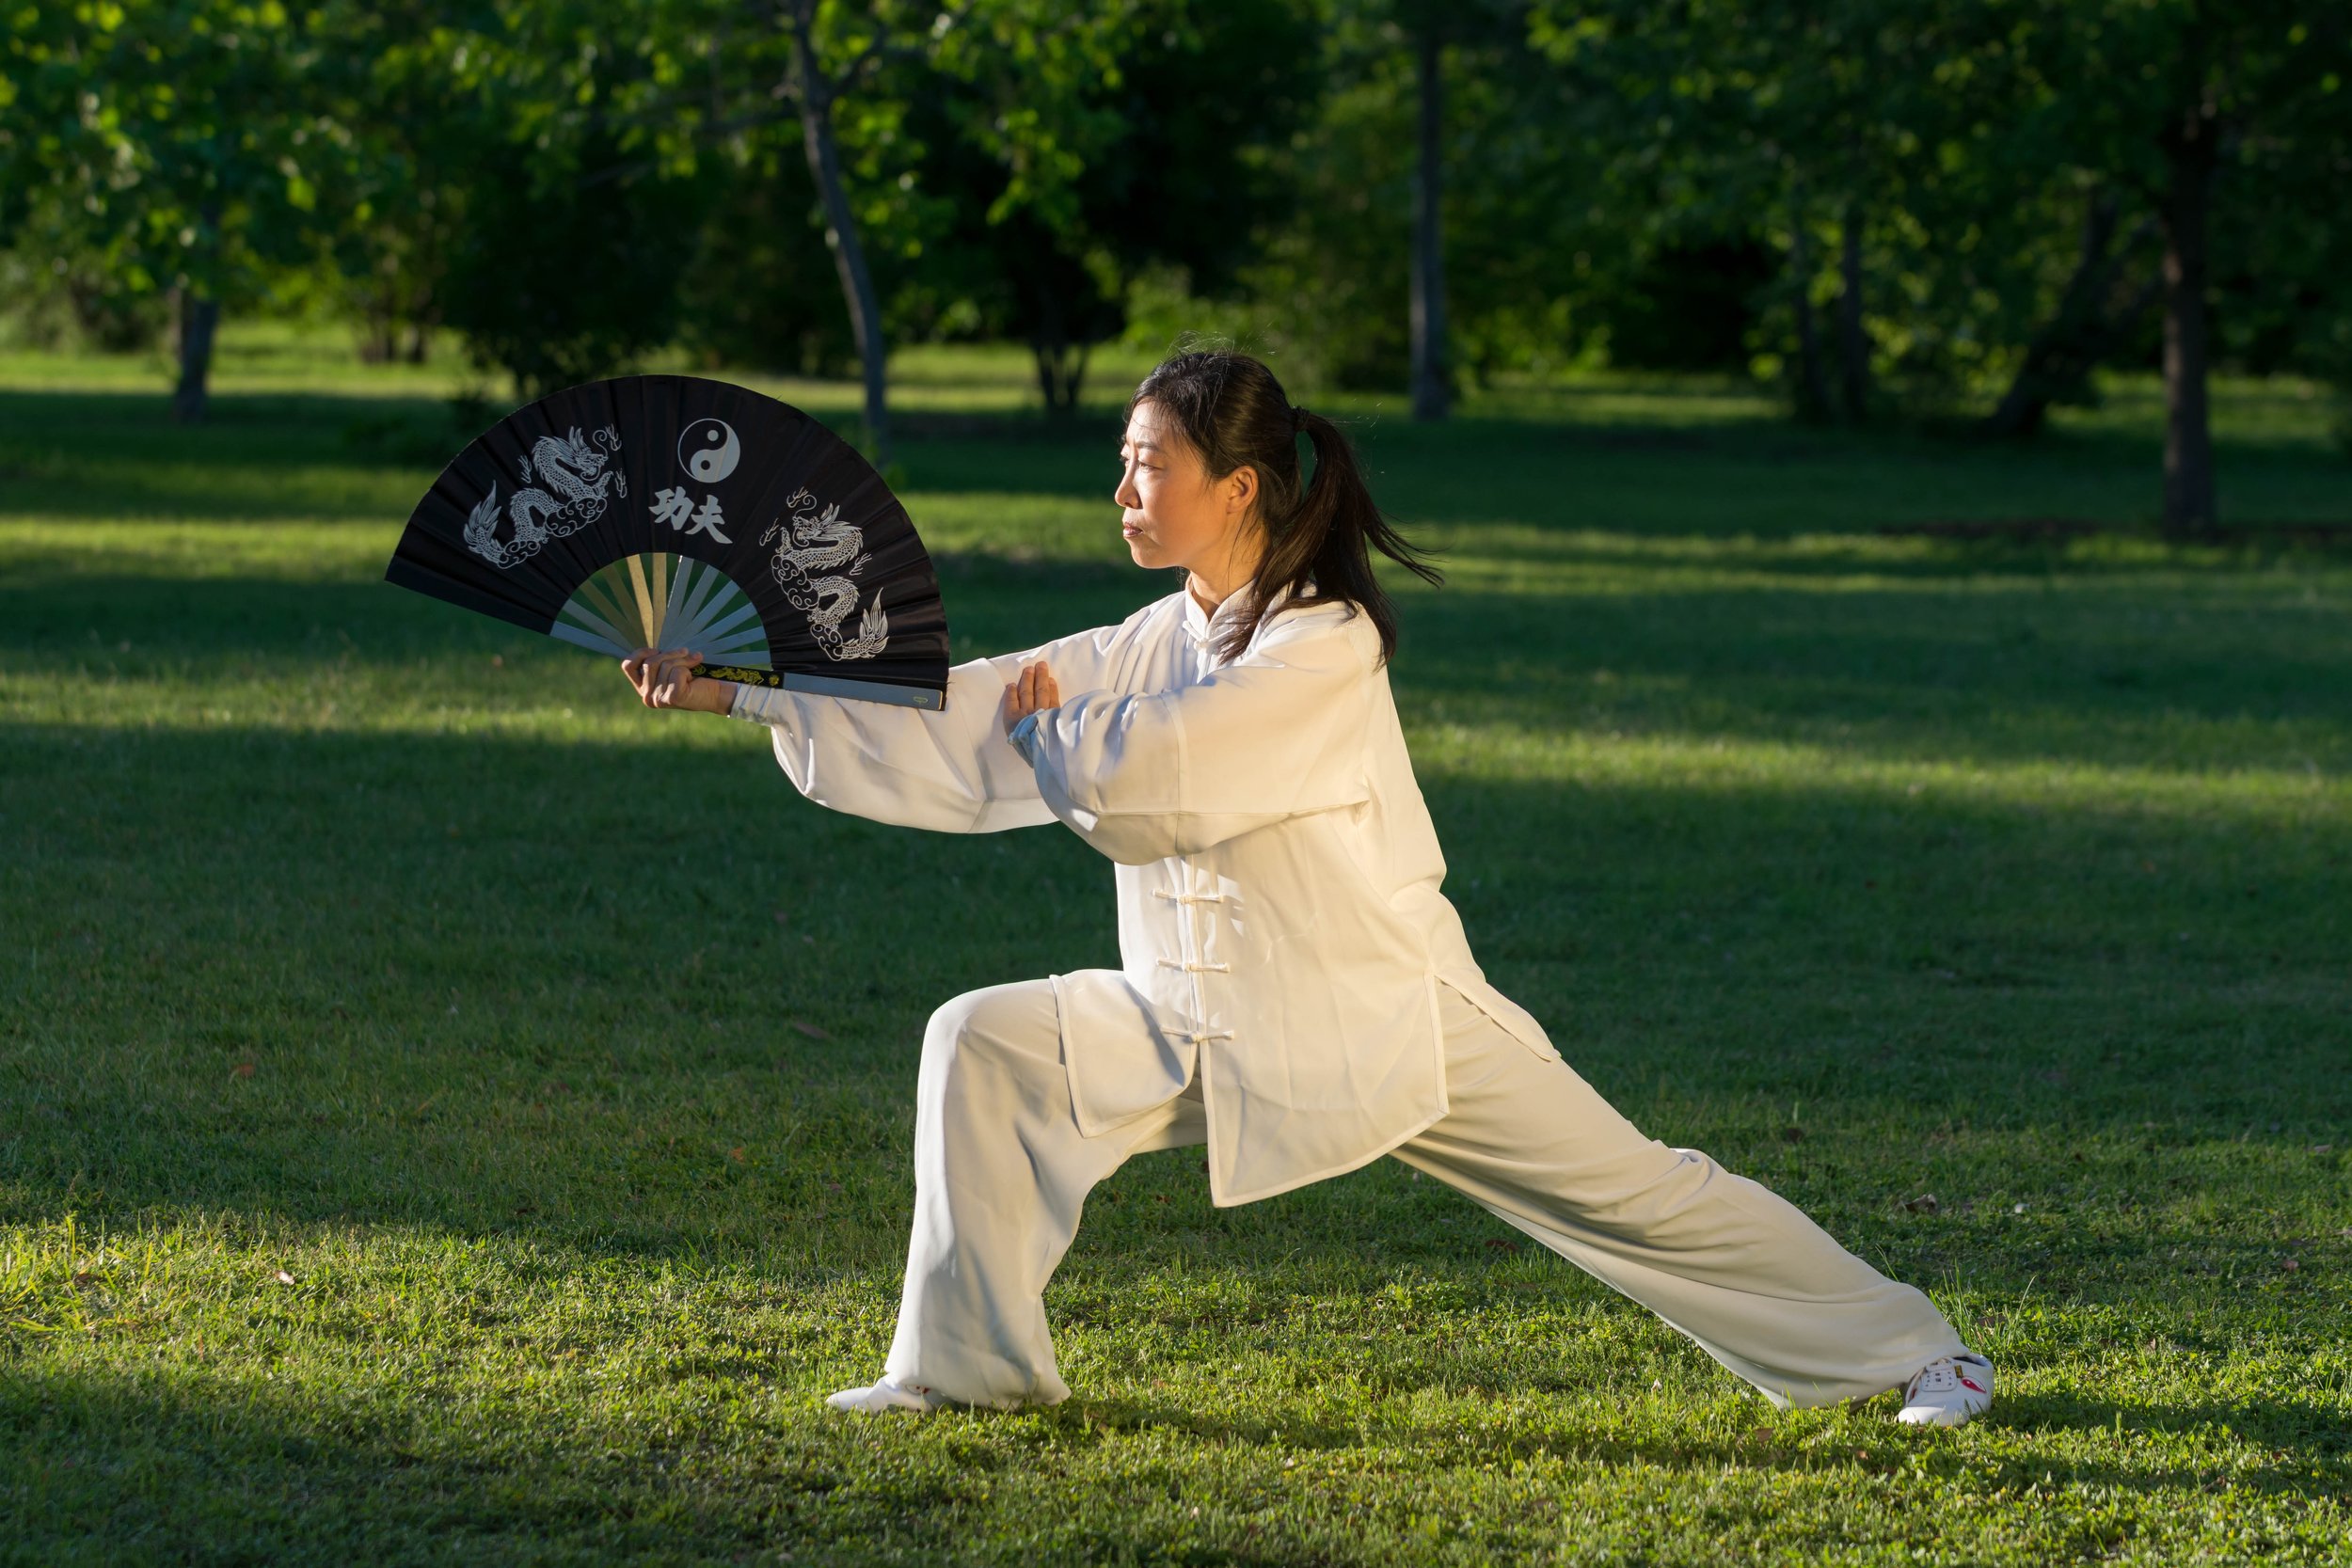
{"x":1232,"y":411}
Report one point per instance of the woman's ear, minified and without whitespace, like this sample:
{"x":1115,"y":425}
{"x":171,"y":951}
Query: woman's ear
{"x":1241,"y":490}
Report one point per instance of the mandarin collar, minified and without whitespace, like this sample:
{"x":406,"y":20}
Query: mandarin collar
{"x":1200,"y":623}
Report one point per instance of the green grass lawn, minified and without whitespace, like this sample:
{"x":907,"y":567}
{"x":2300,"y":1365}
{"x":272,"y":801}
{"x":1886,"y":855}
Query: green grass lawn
{"x":450,"y":1114}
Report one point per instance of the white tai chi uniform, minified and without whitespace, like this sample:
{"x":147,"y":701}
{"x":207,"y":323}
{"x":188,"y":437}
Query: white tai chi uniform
{"x":1294,"y":993}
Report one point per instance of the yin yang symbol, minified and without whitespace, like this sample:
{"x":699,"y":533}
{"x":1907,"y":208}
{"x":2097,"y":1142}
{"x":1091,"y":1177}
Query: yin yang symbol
{"x":709,"y":450}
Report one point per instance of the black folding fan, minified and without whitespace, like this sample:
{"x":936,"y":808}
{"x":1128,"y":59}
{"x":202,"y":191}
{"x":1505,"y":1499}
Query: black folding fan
{"x":673,"y":512}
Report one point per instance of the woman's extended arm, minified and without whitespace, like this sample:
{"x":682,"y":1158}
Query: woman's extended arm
{"x":950,"y":769}
{"x":1279,"y":731}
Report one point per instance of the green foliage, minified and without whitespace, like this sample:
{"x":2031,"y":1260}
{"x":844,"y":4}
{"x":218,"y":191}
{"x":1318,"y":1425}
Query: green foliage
{"x":558,"y":280}
{"x":1692,"y":309}
{"x":188,"y":143}
{"x":1965,"y":141}
{"x":1623,"y":180}
{"x":1328,"y":288}
{"x":1175,"y":176}
{"x":77,"y":303}
{"x":760,"y":291}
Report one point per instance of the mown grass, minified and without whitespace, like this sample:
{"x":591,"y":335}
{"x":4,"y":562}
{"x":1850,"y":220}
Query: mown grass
{"x":450,"y":1114}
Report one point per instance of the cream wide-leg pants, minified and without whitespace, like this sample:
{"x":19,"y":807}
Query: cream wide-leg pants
{"x":1001,"y":1171}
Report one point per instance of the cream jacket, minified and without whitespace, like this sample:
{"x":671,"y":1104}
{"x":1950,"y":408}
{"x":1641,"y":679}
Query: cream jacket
{"x":1280,"y":928}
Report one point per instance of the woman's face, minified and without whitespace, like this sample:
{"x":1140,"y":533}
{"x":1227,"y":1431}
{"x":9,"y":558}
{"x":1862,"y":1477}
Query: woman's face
{"x":1172,"y":514}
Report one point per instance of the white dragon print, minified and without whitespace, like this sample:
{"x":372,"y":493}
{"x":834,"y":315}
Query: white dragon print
{"x":578,"y":473}
{"x":809,"y":544}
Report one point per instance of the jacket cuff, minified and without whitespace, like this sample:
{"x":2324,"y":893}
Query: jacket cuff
{"x":751,"y":704}
{"x":1024,"y":737}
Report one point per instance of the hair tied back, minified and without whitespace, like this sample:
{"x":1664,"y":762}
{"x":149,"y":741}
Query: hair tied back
{"x":1229,"y":408}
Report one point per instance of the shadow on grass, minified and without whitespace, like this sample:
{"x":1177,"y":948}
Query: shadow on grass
{"x":2308,"y":1432}
{"x":2221,"y":676}
{"x":482,"y":979}
{"x":275,"y":455}
{"x":1835,"y":562}
{"x":2200,"y":677}
{"x":383,"y":1469}
{"x":391,"y":1465}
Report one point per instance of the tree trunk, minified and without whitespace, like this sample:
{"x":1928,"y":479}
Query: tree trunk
{"x":2076,"y":338}
{"x":1432,"y":394}
{"x":2189,"y":510}
{"x":1853,"y":344}
{"x":848,"y":256}
{"x":1053,"y":378}
{"x":1050,"y":348}
{"x":1812,"y":387}
{"x":1061,"y":369}
{"x":198,"y":318}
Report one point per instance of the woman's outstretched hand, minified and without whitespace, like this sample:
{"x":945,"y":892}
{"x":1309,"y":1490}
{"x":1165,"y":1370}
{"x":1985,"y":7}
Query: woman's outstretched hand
{"x":666,"y":678}
{"x":1033,"y":690}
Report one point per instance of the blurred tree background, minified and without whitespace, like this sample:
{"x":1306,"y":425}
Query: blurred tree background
{"x":1950,"y":213}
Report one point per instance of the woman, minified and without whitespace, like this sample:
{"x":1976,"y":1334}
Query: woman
{"x":1295,"y":990}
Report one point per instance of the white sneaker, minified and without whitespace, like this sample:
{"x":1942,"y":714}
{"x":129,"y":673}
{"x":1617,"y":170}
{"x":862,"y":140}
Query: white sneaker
{"x":1948,"y":1390}
{"x":889,"y":1394}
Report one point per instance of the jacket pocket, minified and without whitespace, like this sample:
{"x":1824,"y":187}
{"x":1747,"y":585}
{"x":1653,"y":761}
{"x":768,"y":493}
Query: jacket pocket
{"x":1120,"y":1055}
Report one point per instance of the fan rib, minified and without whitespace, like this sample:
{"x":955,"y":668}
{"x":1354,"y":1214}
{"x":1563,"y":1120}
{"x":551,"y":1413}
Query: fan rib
{"x":665,"y":592}
{"x":687,"y":620}
{"x":605,"y":596}
{"x":710,"y":591}
{"x":728,"y":621}
{"x":588,"y":640}
{"x":600,"y":626}
{"x":645,"y":600}
{"x":741,"y":642}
